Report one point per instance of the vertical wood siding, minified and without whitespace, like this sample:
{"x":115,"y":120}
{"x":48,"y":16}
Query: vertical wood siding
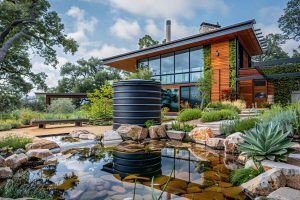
{"x":220,"y":69}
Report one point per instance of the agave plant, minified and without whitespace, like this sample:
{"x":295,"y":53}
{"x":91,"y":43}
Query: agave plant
{"x":266,"y":141}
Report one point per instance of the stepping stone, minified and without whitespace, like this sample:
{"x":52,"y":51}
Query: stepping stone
{"x":111,"y":137}
{"x":285,"y":193}
{"x":294,"y":159}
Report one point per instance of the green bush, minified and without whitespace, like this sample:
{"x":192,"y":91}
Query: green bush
{"x":218,"y":115}
{"x":62,"y":106}
{"x":5,"y":126}
{"x":15,"y":142}
{"x":149,"y":123}
{"x":189,"y":114}
{"x":26,"y":116}
{"x":182,"y":127}
{"x":223,"y":106}
{"x":142,"y":73}
{"x":238,"y":125}
{"x":266,"y":141}
{"x":14,"y":123}
{"x":240,"y":176}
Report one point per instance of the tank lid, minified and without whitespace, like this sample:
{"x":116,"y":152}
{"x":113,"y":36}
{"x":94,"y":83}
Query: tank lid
{"x":137,"y":82}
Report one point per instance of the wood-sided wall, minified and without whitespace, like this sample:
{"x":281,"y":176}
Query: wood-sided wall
{"x":220,"y":69}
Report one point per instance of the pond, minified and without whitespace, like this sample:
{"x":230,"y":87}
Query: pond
{"x":186,"y":171}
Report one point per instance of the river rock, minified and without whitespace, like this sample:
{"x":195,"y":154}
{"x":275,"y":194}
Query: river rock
{"x":5,"y":172}
{"x":76,"y":133}
{"x":231,"y":142}
{"x":39,"y":153}
{"x":16,"y":160}
{"x":42,"y":144}
{"x":157,"y":132}
{"x":176,"y":135}
{"x":133,"y":132}
{"x":2,"y":162}
{"x":294,"y":159}
{"x":265,"y":183}
{"x":284,"y":193}
{"x":215,"y":143}
{"x":87,"y":136}
{"x":201,"y":134}
{"x":118,"y":189}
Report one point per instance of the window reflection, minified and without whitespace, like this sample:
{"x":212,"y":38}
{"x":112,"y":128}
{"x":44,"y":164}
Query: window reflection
{"x":167,"y":79}
{"x":167,"y":64}
{"x":195,"y":77}
{"x":196,"y":59}
{"x":154,"y":65}
{"x":170,"y":99}
{"x":182,"y":61}
{"x":182,"y":78}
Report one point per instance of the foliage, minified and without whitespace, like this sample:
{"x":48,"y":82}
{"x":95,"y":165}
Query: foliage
{"x":284,"y":86}
{"x":63,"y":106}
{"x":232,"y":63}
{"x":218,"y":115}
{"x":27,"y":26}
{"x":289,"y":22}
{"x":238,"y":125}
{"x":182,"y":127}
{"x":85,"y":76}
{"x":273,"y":49}
{"x":240,"y":176}
{"x":149,"y":123}
{"x":240,"y":104}
{"x":266,"y":141}
{"x":20,"y":187}
{"x":147,"y":41}
{"x":189,"y":114}
{"x":141,"y":73}
{"x":204,"y":84}
{"x":101,"y":103}
{"x":223,"y":105}
{"x":15,"y":142}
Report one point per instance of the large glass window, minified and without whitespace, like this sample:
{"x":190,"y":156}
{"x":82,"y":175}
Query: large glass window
{"x":167,"y":79}
{"x":196,"y":76}
{"x":190,"y":96}
{"x":196,"y":59}
{"x":167,"y":64}
{"x":170,"y":99}
{"x":182,"y":78}
{"x":143,"y":63}
{"x":154,"y":65}
{"x":182,"y":61}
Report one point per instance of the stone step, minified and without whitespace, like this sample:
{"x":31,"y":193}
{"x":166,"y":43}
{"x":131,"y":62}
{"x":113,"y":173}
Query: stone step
{"x":285,"y":193}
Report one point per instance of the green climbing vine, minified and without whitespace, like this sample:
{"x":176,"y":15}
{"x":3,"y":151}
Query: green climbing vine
{"x":205,"y":83}
{"x":283,"y":86}
{"x":232,"y":64}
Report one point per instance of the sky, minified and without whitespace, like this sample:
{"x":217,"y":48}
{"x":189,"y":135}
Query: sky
{"x":104,"y":28}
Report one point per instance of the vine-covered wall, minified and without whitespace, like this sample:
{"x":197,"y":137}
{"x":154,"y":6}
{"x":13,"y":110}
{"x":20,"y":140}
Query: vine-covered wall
{"x":207,"y":72}
{"x":284,"y":86}
{"x":232,"y":64}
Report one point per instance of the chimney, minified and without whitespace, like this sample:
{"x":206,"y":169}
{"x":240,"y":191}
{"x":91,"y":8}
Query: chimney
{"x":207,"y":27}
{"x":168,"y":31}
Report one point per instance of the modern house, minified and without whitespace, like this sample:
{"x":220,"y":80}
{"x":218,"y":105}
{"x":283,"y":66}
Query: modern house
{"x":219,"y":55}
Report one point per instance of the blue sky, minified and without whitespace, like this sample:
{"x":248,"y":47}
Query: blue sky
{"x":108,"y":27}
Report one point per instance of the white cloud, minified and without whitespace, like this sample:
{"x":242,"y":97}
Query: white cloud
{"x":169,"y":8}
{"x":107,"y":50}
{"x":179,"y":30}
{"x":125,"y":29}
{"x":83,"y":25}
{"x":270,"y":14}
{"x":152,"y":29}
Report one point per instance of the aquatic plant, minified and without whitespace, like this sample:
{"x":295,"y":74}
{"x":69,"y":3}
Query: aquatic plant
{"x":15,"y":142}
{"x":240,"y":176}
{"x":266,"y":142}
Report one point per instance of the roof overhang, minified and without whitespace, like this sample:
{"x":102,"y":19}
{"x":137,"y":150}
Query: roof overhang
{"x":244,"y":31}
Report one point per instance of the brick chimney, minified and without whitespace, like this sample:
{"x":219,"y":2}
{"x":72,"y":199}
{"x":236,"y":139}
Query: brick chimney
{"x":168,"y":31}
{"x":207,"y":27}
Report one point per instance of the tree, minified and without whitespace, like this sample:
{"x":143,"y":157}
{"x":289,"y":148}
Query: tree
{"x":85,"y":75}
{"x":273,"y":50}
{"x":142,"y":73}
{"x":289,"y":22}
{"x":27,"y":26}
{"x":147,"y":41}
{"x":296,"y":53}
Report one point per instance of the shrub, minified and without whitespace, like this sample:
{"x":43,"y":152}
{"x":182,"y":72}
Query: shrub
{"x":142,"y":73}
{"x":240,"y":176}
{"x":189,"y":114}
{"x":218,"y":115}
{"x":223,"y":105}
{"x":63,"y":106}
{"x":227,"y":128}
{"x":149,"y":123}
{"x":26,"y":115}
{"x":266,"y":141}
{"x":240,"y":104}
{"x":14,"y":123}
{"x":15,"y":142}
{"x":238,"y":125}
{"x":182,"y":127}
{"x":5,"y":126}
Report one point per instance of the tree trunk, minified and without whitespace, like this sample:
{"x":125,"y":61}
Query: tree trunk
{"x":5,"y":47}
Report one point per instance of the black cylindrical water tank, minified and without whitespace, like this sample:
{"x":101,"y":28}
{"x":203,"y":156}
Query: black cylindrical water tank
{"x":136,"y":101}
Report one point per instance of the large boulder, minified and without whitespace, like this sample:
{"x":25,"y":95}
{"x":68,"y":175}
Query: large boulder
{"x":156,"y":132}
{"x":5,"y":172}
{"x":76,"y":133}
{"x":132,"y":132}
{"x":41,"y":144}
{"x":284,"y":193}
{"x":231,"y":142}
{"x":201,"y":134}
{"x":16,"y":160}
{"x":215,"y":143}
{"x":176,"y":135}
{"x":39,"y":153}
{"x":2,"y":162}
{"x":265,"y":183}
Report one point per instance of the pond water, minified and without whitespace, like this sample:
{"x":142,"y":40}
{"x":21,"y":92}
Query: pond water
{"x":187,"y":171}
